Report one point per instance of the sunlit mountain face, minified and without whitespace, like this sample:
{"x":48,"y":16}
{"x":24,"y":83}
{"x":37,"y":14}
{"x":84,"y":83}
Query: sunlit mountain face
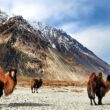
{"x":34,"y":46}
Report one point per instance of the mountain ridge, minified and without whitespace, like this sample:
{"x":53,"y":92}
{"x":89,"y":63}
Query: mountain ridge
{"x":34,"y":49}
{"x":47,"y":31}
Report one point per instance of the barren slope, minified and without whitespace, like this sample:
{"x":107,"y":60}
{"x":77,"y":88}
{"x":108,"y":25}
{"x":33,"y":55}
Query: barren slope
{"x":22,"y":47}
{"x":52,"y":51}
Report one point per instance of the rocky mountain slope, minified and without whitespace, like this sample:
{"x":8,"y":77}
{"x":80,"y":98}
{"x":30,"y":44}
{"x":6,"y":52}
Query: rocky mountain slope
{"x":3,"y":17}
{"x":35,"y":47}
{"x":68,"y":46}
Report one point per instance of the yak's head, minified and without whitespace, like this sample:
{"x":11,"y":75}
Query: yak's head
{"x":92,"y":76}
{"x":12,"y":72}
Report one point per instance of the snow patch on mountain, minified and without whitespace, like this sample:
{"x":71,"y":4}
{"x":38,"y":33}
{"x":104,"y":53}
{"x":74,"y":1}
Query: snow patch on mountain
{"x":3,"y":17}
{"x":58,"y":35}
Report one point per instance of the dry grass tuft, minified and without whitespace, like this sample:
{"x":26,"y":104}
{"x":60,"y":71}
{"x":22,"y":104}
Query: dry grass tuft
{"x":61,"y":91}
{"x":25,"y":82}
{"x":75,"y":90}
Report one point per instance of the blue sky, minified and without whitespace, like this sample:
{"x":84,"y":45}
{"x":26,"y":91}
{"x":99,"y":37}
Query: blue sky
{"x":88,"y":21}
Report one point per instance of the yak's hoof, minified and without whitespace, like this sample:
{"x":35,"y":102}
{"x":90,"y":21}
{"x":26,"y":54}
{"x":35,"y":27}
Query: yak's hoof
{"x":96,"y":104}
{"x":100,"y":104}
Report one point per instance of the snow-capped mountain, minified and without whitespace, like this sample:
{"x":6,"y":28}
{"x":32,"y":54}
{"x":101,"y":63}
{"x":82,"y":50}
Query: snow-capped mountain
{"x":67,"y":45}
{"x":62,"y":37}
{"x":35,"y":46}
{"x":3,"y":17}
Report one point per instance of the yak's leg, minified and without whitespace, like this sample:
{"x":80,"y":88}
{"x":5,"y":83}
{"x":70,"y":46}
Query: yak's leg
{"x":94,"y":102}
{"x":36,"y":89}
{"x":91,"y":101}
{"x":100,"y":100}
{"x":32,"y":90}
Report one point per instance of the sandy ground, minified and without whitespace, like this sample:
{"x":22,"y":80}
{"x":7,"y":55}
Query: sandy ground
{"x":65,"y":98}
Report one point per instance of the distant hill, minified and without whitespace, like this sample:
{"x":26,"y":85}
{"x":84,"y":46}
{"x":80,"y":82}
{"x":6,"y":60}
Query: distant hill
{"x":33,"y":47}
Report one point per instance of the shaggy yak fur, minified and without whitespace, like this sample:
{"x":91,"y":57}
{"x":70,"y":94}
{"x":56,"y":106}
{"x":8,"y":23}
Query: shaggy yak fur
{"x":97,"y":86}
{"x":7,"y":81}
{"x":91,"y":87}
{"x":102,"y":88}
{"x":35,"y":84}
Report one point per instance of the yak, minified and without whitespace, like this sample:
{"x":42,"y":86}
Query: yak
{"x":8,"y":81}
{"x":91,"y":87}
{"x":97,"y":86}
{"x":35,"y":84}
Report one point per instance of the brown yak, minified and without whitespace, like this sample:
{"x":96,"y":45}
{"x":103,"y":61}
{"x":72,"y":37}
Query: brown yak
{"x":91,"y":87}
{"x":35,"y":84}
{"x":96,"y":85}
{"x":7,"y":81}
{"x":102,"y":87}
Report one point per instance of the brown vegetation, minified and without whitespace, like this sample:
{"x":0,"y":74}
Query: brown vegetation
{"x":25,"y":82}
{"x":76,"y":90}
{"x":7,"y":81}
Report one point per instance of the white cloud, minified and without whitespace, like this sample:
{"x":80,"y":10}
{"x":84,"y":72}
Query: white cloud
{"x":72,"y":27}
{"x":44,"y":9}
{"x":39,"y":9}
{"x":96,"y":39}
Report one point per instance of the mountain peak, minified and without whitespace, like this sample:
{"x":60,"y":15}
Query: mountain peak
{"x":69,"y":46}
{"x":3,"y":17}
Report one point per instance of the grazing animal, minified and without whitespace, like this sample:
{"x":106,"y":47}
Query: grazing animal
{"x":8,"y":81}
{"x":35,"y":84}
{"x":91,"y":87}
{"x":97,"y":86}
{"x":102,"y":87}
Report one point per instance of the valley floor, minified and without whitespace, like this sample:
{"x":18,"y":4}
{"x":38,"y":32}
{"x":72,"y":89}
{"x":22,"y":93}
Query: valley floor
{"x":48,"y":98}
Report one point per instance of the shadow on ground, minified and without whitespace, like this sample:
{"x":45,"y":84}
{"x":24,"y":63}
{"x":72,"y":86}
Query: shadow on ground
{"x":27,"y":104}
{"x":23,"y":104}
